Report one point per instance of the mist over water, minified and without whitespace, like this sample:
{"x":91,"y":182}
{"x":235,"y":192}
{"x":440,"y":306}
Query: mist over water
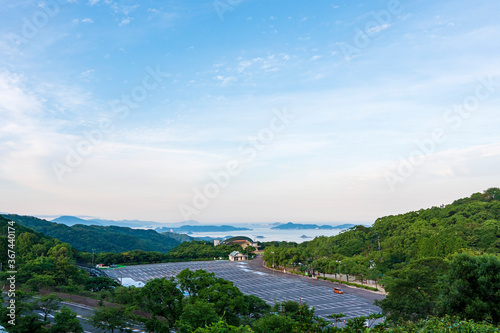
{"x":272,"y":234}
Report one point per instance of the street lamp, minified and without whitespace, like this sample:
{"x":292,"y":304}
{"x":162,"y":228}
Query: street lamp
{"x":273,"y":262}
{"x":340,"y":276}
{"x":247,"y":257}
{"x":312,"y":273}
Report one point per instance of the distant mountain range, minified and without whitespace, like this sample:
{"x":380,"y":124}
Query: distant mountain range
{"x":72,"y":220}
{"x":102,"y":238}
{"x":298,"y":226}
{"x":202,"y":228}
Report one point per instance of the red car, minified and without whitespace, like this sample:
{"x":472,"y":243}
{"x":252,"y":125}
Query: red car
{"x":338,"y":291}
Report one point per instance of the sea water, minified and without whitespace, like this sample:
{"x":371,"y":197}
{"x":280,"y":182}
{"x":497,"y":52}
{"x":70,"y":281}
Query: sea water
{"x":267,"y":234}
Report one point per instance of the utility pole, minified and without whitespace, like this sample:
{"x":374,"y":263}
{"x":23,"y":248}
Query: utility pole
{"x":273,"y":262}
{"x":247,"y":257}
{"x":93,"y":258}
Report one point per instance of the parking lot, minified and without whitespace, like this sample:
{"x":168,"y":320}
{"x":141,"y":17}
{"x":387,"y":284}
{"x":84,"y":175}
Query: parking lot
{"x":262,"y":283}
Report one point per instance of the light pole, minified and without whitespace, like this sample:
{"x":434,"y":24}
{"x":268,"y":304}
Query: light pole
{"x":312,"y":273}
{"x":273,"y":262}
{"x":340,"y":276}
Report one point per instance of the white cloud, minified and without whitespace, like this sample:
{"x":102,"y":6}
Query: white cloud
{"x":379,"y":28}
{"x":87,"y":20}
{"x":125,"y":21}
{"x":29,"y":141}
{"x":128,"y":9}
{"x":87,"y":75}
{"x":225,"y":80}
{"x":244,"y":65}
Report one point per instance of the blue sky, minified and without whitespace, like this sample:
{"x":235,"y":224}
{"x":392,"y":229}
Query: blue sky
{"x":325,"y":111}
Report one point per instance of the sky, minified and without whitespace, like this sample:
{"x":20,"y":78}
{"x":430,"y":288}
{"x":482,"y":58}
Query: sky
{"x":232,"y":111}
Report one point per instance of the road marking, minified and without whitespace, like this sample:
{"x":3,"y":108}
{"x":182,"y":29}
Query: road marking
{"x":270,"y":288}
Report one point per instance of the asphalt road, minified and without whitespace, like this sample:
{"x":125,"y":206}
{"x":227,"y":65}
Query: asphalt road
{"x":259,"y":281}
{"x":83,"y":315}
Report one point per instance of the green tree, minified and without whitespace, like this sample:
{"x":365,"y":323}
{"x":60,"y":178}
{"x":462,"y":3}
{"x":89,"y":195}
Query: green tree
{"x":24,"y":319}
{"x":223,"y":327}
{"x":99,"y":283}
{"x":274,"y":323}
{"x":66,"y":321}
{"x":444,"y":324}
{"x":471,"y":288}
{"x":257,"y":307}
{"x":127,"y":295}
{"x":195,"y":315}
{"x":47,"y":304}
{"x":111,"y":319}
{"x":163,"y":299}
{"x":229,"y":301}
{"x":40,"y":281}
{"x":290,"y":308}
{"x":194,"y":281}
{"x":356,"y":325}
{"x":27,"y":323}
{"x":337,"y":317}
{"x":413,"y":290}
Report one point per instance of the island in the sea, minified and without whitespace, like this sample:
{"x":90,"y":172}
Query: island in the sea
{"x":298,"y":226}
{"x":202,"y":228}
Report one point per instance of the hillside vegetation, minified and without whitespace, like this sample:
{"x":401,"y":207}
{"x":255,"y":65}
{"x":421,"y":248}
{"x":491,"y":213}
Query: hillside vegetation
{"x":39,"y":260}
{"x":412,"y":253}
{"x":455,"y":292}
{"x":101,"y":239}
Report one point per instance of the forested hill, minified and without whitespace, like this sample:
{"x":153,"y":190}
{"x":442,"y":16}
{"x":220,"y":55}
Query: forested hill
{"x":436,"y":261}
{"x":102,"y":239}
{"x":470,"y":223}
{"x":40,"y":260}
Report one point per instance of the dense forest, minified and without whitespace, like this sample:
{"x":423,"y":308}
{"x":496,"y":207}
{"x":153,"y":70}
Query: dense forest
{"x":194,"y":301}
{"x":449,"y":285}
{"x":186,"y":251}
{"x":121,"y":245}
{"x":432,"y":261}
{"x":103,"y":239}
